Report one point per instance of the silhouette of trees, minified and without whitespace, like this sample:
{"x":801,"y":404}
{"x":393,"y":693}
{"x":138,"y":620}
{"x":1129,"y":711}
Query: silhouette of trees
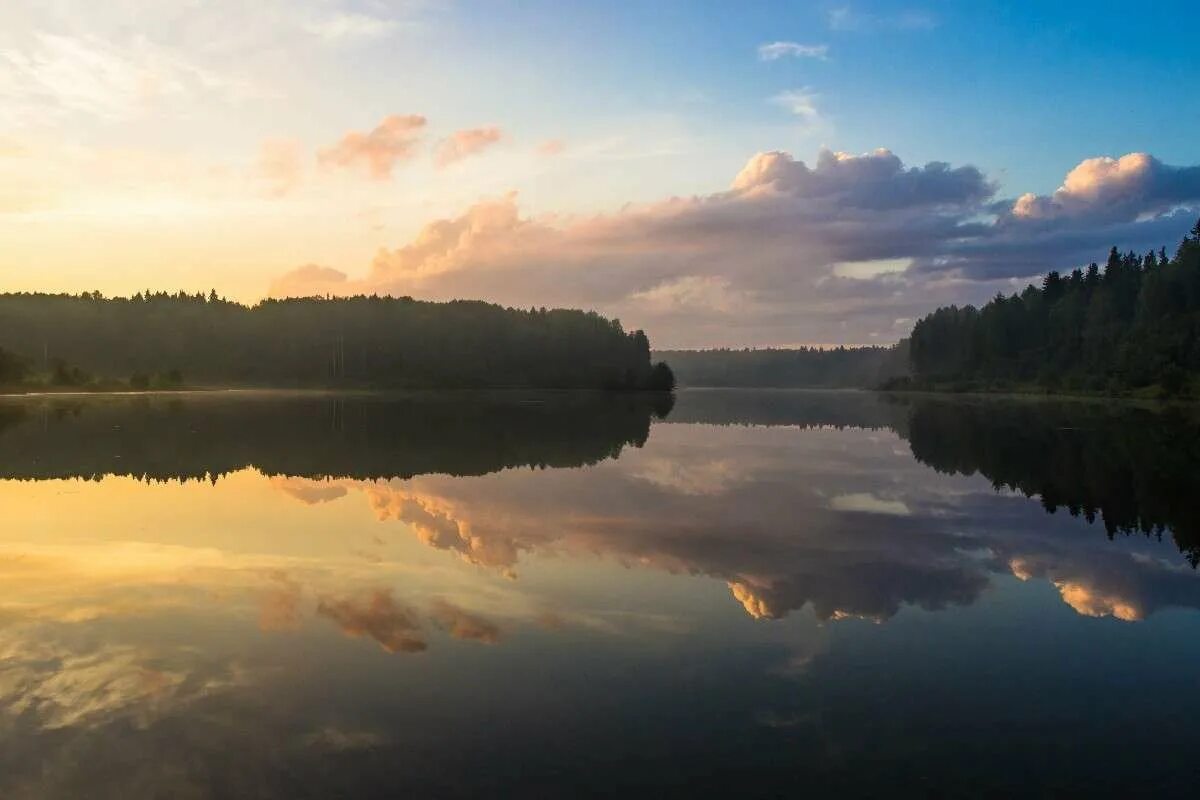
{"x":1136,"y":323}
{"x":361,"y":435}
{"x":364,"y":341}
{"x":1133,"y":469}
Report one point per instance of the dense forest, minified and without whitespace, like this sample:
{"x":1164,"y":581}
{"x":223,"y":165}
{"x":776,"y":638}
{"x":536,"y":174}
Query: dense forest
{"x":167,"y":340}
{"x":1132,"y":325}
{"x":803,"y":367}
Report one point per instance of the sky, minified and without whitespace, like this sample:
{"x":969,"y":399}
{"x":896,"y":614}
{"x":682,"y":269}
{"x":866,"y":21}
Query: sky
{"x":718,"y":174}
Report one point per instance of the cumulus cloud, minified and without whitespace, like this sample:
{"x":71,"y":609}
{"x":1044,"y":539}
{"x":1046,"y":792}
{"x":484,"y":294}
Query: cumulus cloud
{"x":551,"y":147}
{"x":828,"y":251}
{"x":777,"y":50}
{"x":465,"y":143}
{"x":393,"y":140}
{"x":376,"y":616}
{"x":1124,"y":586}
{"x":1114,"y":189}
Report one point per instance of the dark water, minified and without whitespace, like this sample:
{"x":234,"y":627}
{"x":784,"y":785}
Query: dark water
{"x":765,"y":594}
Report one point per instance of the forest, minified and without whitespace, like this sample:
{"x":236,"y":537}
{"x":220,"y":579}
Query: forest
{"x":1131,"y":326}
{"x":162,"y":341}
{"x":802,"y":367}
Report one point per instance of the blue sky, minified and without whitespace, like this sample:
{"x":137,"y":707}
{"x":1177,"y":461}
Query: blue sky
{"x":529,"y":152}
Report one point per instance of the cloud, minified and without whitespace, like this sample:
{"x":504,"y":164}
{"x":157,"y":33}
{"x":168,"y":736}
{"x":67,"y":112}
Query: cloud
{"x":350,"y":26}
{"x":377,"y":616}
{"x":58,"y":683}
{"x":551,"y":147}
{"x":777,"y":50}
{"x":462,"y":624}
{"x":827,"y":251}
{"x":464,"y":143}
{"x":307,"y":490}
{"x":392,"y":140}
{"x":280,"y":165}
{"x":1108,"y":583}
{"x":1114,"y":189}
{"x":801,"y":103}
{"x":867,"y":503}
{"x":308,"y":280}
{"x":55,"y":74}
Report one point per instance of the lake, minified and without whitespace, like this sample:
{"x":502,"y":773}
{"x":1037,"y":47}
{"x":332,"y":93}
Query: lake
{"x":740,"y":593}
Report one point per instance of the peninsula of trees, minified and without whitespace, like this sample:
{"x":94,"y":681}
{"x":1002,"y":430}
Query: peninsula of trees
{"x":164,"y":340}
{"x":1131,"y":326}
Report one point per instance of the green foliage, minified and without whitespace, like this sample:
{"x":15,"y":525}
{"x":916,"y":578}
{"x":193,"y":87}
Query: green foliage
{"x":63,"y":375}
{"x":353,"y":342}
{"x":1135,"y":324}
{"x":13,"y":368}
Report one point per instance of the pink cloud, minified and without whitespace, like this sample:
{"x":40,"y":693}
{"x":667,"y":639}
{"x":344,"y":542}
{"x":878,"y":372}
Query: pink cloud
{"x":552,"y":147}
{"x":464,"y":143}
{"x":392,"y":140}
{"x":309,"y":280}
{"x":377,"y":616}
{"x":762,"y":262}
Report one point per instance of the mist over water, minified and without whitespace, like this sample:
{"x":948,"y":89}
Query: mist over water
{"x":577,"y":594}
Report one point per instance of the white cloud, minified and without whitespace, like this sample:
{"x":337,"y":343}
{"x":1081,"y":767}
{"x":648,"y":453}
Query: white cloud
{"x":802,"y":103}
{"x":58,"y":74}
{"x":777,"y":50}
{"x":350,"y":26}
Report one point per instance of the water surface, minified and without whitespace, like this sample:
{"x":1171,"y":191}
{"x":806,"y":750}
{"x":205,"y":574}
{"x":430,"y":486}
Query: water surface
{"x":756,"y":593}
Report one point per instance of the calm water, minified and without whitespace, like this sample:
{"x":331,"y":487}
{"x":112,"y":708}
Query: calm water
{"x":751,"y":594}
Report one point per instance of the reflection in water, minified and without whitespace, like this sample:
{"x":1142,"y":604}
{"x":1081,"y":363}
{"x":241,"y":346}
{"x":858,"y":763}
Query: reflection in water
{"x":364,"y":436}
{"x":368,"y":588}
{"x":1136,"y":469}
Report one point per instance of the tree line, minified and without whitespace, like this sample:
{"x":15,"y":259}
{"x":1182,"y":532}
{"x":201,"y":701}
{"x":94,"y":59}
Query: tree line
{"x":801,"y":367}
{"x":161,"y":340}
{"x":1133,"y":324}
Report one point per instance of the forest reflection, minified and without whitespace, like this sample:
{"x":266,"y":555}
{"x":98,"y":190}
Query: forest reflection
{"x":368,"y":435}
{"x":792,"y":499}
